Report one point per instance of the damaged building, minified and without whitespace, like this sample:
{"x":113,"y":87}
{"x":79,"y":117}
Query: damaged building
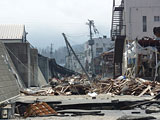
{"x":72,"y":63}
{"x":10,"y":82}
{"x":100,"y":45}
{"x":46,"y":90}
{"x":107,"y":63}
{"x":23,"y":55}
{"x":133,"y":20}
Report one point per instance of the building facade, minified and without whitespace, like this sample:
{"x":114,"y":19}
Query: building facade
{"x":140,"y":17}
{"x":23,"y":55}
{"x":72,"y":63}
{"x":132,"y":20}
{"x":100,"y":45}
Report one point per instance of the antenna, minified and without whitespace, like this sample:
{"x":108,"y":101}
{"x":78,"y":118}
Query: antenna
{"x":51,"y":51}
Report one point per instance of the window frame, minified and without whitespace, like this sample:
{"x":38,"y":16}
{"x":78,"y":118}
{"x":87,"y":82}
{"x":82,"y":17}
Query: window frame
{"x":156,"y":18}
{"x":144,"y":22}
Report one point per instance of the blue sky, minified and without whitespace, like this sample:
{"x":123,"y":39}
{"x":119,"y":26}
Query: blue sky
{"x":45,"y":20}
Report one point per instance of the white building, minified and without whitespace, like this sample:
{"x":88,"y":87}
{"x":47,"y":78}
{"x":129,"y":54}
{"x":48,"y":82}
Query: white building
{"x":72,"y":63}
{"x":100,"y":45}
{"x":132,"y":19}
{"x":140,"y":17}
{"x":135,"y":18}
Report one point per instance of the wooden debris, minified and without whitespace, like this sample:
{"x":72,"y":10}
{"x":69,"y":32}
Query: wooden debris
{"x":78,"y":85}
{"x":144,"y":91}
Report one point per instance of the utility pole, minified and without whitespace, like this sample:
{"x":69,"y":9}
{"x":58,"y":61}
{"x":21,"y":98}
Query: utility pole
{"x":68,"y":44}
{"x":91,"y":43}
{"x":51,"y":51}
{"x":113,"y":3}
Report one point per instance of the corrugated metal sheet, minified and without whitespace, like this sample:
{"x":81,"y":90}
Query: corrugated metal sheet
{"x":15,"y":31}
{"x":39,"y":109}
{"x":8,"y":83}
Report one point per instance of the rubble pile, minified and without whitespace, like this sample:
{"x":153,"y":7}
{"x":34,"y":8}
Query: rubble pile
{"x":79,"y":85}
{"x":137,"y":87}
{"x":121,"y":86}
{"x":74,"y":85}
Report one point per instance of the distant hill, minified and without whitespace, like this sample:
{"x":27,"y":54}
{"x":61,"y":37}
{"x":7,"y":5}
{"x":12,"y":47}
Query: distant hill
{"x":61,"y":52}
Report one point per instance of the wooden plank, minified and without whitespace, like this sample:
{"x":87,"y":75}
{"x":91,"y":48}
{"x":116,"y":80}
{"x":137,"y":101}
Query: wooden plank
{"x":145,"y":90}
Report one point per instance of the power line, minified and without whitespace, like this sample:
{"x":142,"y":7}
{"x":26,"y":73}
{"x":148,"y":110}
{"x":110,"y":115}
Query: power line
{"x":51,"y":51}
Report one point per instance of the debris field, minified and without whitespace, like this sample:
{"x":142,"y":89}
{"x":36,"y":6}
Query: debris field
{"x":79,"y":85}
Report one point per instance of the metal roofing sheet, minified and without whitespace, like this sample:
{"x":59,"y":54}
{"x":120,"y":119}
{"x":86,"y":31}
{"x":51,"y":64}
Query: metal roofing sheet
{"x":14,"y":31}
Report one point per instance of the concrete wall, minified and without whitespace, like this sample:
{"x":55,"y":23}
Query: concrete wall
{"x":133,"y":13}
{"x":43,"y":64}
{"x":20,"y":55}
{"x":8,"y":83}
{"x":41,"y":80}
{"x":34,"y":67}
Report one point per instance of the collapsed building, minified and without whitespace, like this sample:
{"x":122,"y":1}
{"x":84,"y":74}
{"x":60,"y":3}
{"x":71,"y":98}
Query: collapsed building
{"x":100,"y":45}
{"x":107,"y":63}
{"x":142,"y":58}
{"x":21,"y":66}
{"x":104,"y":64}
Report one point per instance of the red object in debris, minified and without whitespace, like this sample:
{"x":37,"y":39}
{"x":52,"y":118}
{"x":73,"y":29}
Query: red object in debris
{"x":39,"y":109}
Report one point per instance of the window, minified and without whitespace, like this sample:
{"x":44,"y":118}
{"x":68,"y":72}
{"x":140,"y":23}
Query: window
{"x":144,"y":23}
{"x":156,"y":18}
{"x":99,"y":50}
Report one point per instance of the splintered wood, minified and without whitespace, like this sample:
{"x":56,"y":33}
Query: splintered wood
{"x":79,"y":85}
